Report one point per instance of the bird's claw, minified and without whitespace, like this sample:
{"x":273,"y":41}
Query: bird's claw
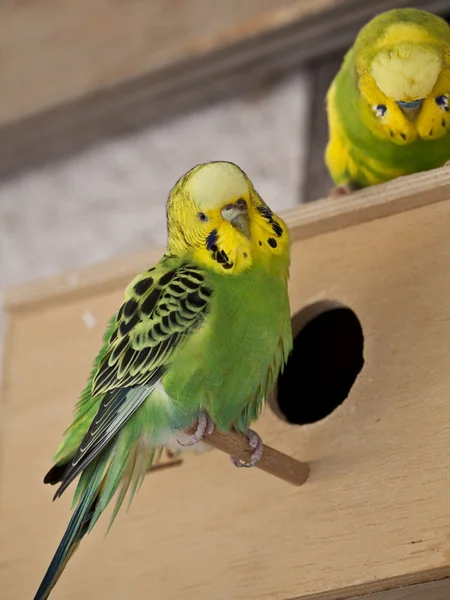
{"x":343,"y":190}
{"x":256,"y":444}
{"x":205,"y":426}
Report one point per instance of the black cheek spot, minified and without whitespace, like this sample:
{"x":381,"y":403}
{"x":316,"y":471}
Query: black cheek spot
{"x":260,"y":243}
{"x":272,"y":242}
{"x":227,"y":265}
{"x":430,"y":132}
{"x":278,"y":230}
{"x":443,"y":122}
{"x":130,"y":308}
{"x":211,"y":240}
{"x":143,"y":286}
{"x":150,"y":302}
{"x":403,"y":136}
{"x":265,"y":211}
{"x":244,"y":254}
{"x":391,"y":133}
{"x":221,"y":259}
{"x":167,"y":277}
{"x":126,"y":327}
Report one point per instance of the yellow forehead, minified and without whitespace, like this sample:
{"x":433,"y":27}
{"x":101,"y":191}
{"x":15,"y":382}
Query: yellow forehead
{"x":407,"y":72}
{"x":214,"y":185}
{"x":407,"y":64}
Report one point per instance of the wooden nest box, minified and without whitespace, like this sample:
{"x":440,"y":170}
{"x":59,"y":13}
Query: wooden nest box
{"x":370,"y":284}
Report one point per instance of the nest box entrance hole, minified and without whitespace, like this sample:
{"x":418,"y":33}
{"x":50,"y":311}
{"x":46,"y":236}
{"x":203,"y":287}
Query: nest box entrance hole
{"x":326,"y":360}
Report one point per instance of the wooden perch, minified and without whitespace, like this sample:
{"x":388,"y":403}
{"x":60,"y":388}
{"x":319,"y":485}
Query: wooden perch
{"x":272,"y":461}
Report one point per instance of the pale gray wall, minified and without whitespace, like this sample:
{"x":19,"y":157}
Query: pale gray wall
{"x":110,"y":200}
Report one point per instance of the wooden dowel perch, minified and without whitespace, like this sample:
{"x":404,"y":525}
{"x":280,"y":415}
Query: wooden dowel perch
{"x":272,"y":461}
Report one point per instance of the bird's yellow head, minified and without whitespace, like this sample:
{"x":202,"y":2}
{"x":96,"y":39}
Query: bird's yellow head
{"x":407,"y":73}
{"x":215,"y":215}
{"x":403,"y":63}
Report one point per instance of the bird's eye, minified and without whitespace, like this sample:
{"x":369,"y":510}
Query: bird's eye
{"x":202,"y":217}
{"x":442,"y":102}
{"x":380,"y":110}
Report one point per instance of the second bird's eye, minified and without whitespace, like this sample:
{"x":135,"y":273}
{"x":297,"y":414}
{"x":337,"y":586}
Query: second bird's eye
{"x":202,"y":217}
{"x":380,"y":110}
{"x":442,"y":101}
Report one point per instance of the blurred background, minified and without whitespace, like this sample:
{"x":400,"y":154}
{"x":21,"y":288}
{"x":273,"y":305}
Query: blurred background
{"x":105,"y":103}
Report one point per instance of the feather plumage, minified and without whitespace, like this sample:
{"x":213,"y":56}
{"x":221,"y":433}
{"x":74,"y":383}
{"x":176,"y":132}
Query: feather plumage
{"x":388,"y":105}
{"x":207,"y":328}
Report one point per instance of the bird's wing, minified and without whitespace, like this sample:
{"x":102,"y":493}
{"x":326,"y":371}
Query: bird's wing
{"x":163,"y":307}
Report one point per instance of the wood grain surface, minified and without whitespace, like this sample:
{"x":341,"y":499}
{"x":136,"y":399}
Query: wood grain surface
{"x":373,"y":515}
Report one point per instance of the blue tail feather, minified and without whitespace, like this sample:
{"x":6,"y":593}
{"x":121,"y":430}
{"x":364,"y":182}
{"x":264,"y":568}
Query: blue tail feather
{"x":77,"y":528}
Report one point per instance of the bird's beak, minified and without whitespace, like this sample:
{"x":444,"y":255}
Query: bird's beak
{"x":411,"y":109}
{"x":237,"y":215}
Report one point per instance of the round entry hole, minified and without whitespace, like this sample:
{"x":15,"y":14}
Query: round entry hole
{"x":326,"y":360}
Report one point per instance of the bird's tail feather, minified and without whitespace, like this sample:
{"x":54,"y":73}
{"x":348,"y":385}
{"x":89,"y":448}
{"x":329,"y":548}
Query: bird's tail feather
{"x":79,"y":525}
{"x":123,"y":468}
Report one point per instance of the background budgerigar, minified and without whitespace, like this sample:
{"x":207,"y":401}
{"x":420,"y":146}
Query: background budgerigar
{"x":388,"y":106}
{"x":200,"y":337}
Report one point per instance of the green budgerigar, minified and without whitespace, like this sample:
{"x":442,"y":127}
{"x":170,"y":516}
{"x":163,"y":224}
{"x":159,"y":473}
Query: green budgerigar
{"x":388,"y":106}
{"x":200,"y":338}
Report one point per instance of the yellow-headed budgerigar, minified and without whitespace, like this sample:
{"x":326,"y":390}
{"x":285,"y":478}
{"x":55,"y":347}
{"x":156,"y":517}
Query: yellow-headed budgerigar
{"x":200,"y":338}
{"x":388,"y":106}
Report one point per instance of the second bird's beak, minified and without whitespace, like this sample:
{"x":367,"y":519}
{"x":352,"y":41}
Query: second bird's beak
{"x":411,"y":109}
{"x":237,"y":215}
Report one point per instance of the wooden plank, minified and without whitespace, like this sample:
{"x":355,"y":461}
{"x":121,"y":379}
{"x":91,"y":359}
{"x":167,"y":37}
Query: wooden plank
{"x":372,"y":517}
{"x":435,"y":590}
{"x":99,"y":68}
{"x":323,"y":216}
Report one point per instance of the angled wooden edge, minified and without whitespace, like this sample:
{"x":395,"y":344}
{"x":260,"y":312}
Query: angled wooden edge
{"x":305,"y":221}
{"x":396,"y":196}
{"x":237,"y":63}
{"x":434,"y":585}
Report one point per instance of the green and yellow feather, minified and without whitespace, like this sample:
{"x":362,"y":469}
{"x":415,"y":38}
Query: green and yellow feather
{"x":206,"y":329}
{"x":388,"y":106}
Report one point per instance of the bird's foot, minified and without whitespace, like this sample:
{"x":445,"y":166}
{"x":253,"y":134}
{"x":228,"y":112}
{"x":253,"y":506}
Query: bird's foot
{"x":256,"y":444}
{"x":343,"y":190}
{"x":205,"y":426}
